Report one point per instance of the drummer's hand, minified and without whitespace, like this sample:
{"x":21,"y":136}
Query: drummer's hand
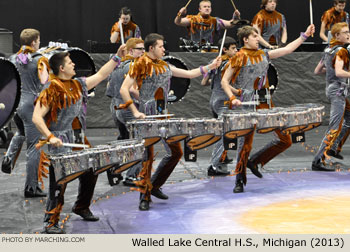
{"x":236,"y":15}
{"x":182,"y":11}
{"x":139,"y":115}
{"x":216,"y":63}
{"x":236,"y":102}
{"x":56,"y":142}
{"x":121,"y":51}
{"x":310,"y":30}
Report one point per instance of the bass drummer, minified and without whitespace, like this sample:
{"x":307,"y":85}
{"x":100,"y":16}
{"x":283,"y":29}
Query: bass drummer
{"x":247,"y":70}
{"x":34,"y":70}
{"x":151,"y":76}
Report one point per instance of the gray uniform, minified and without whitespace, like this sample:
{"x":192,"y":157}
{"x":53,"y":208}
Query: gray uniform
{"x":205,"y":32}
{"x":336,"y":92}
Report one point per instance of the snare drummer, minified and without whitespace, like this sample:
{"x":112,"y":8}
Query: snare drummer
{"x":135,"y":48}
{"x":151,"y":75}
{"x":202,"y":27}
{"x":271,"y":25}
{"x":219,"y":159}
{"x":55,"y":109}
{"x":34,"y":70}
{"x":335,"y":62}
{"x":248,"y":70}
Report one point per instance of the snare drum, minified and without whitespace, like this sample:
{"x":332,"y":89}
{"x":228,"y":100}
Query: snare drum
{"x":237,"y":123}
{"x":69,"y":166}
{"x":295,"y":119}
{"x":316,"y":111}
{"x":268,"y":120}
{"x":203,"y":132}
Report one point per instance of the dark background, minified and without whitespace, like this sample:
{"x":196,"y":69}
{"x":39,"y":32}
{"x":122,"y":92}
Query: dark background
{"x":78,"y":21}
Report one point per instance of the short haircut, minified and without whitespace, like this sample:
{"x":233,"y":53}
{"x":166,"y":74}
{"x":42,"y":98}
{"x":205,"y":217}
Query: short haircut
{"x":228,"y":42}
{"x":132,"y":42}
{"x":151,"y":40}
{"x":125,"y":11}
{"x":336,"y":28}
{"x":204,"y":1}
{"x":57,"y":60}
{"x":29,"y":35}
{"x":339,"y":1}
{"x":264,"y":2}
{"x":245,"y":32}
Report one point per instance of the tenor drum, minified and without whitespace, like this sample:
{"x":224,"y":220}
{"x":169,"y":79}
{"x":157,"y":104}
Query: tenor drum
{"x":315,"y":113}
{"x":238,"y":123}
{"x":70,"y":166}
{"x":268,"y":120}
{"x":10,"y":90}
{"x":203,"y":132}
{"x":294,"y":120}
{"x":178,"y":86}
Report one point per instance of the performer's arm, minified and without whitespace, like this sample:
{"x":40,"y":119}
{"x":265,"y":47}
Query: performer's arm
{"x":93,"y":80}
{"x":229,"y":90}
{"x":293,"y":45}
{"x":262,"y":41}
{"x":182,"y":21}
{"x":339,"y":70}
{"x":128,"y":83}
{"x":229,"y":23}
{"x":284,"y":35}
{"x":114,"y":37}
{"x":177,"y":72}
{"x":38,"y":119}
{"x":323,"y":32}
{"x":320,"y":68}
{"x":206,"y":80}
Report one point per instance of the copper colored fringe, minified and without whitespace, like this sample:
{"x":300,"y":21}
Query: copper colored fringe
{"x":55,"y":217}
{"x":265,"y":19}
{"x":344,"y":56}
{"x":42,"y":171}
{"x":331,"y":137}
{"x":223,"y":156}
{"x":196,"y":20}
{"x":27,"y":49}
{"x":330,"y":17}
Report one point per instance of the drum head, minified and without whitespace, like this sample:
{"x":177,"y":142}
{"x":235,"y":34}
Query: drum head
{"x":178,"y":86}
{"x":84,"y":65}
{"x":272,"y":75}
{"x":10,"y":90}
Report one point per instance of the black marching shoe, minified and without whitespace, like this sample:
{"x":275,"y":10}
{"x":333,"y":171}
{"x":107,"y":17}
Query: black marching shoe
{"x":254,"y":169}
{"x":216,"y":172}
{"x":86,"y":214}
{"x":239,"y":188}
{"x":320,"y":167}
{"x":52,"y":229}
{"x":6,"y":165}
{"x":334,"y":154}
{"x":159,"y":194}
{"x":144,"y":205}
{"x":31,"y":194}
{"x":130,"y":181}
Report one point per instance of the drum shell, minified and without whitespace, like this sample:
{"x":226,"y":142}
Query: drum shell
{"x":237,"y":123}
{"x":295,"y":119}
{"x":268,"y":120}
{"x":203,"y":132}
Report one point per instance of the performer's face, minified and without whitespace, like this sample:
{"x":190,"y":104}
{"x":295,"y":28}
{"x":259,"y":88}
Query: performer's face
{"x":68,"y":68}
{"x":231,"y":51}
{"x":158,"y":50}
{"x":125,"y":19}
{"x":252,"y":41}
{"x":205,"y":8}
{"x":271,"y":5}
{"x":36,"y":44}
{"x":138,"y":50}
{"x":340,"y":7}
{"x":344,"y":35}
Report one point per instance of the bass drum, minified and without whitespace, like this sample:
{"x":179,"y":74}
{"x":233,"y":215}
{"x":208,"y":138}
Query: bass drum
{"x":84,"y":65}
{"x":178,"y":86}
{"x":10,"y":90}
{"x":272,"y":76}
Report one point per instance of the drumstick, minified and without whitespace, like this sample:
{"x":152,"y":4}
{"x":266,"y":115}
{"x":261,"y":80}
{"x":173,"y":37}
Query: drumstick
{"x":188,"y":3}
{"x":311,"y":15}
{"x":250,"y":103}
{"x":73,"y":145}
{"x":159,"y":116}
{"x":234,"y":6}
{"x":121,"y":31}
{"x":222,"y":43}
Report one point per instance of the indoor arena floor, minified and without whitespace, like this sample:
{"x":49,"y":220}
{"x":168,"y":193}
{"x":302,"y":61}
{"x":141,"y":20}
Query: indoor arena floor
{"x":290,"y":198}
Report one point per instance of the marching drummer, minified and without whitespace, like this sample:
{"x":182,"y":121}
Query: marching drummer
{"x":271,"y":25}
{"x":202,"y":27}
{"x":135,"y":48}
{"x":248,"y":70}
{"x":55,"y":109}
{"x":34,"y":70}
{"x":335,"y":63}
{"x":151,"y":76}
{"x":124,"y":28}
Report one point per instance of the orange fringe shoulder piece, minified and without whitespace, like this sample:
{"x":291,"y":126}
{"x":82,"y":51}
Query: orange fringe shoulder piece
{"x":344,"y":55}
{"x":264,"y":19}
{"x":60,"y":94}
{"x":26,"y":49}
{"x":330,"y":17}
{"x":127,"y":29}
{"x":241,"y":59}
{"x":41,"y":62}
{"x":197,"y":19}
{"x":127,"y":57}
{"x":144,"y":66}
